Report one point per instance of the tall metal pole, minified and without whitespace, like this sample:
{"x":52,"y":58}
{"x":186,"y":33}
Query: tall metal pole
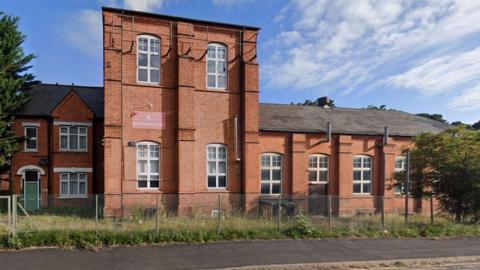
{"x":96,"y":213}
{"x":407,"y":187}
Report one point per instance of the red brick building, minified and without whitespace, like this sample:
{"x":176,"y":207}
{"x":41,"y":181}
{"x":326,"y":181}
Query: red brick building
{"x":182,"y":116}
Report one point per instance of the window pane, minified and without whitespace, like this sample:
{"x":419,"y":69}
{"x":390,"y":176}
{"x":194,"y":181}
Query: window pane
{"x":82,"y":130}
{"x":222,"y":153}
{"x":312,"y":162}
{"x":222,"y":181}
{"x":155,"y":76}
{"x":154,"y":183}
{"x":64,"y":188}
{"x":155,"y":61}
{"x":154,"y":151}
{"x":212,"y":152}
{"x":276,"y":188}
{"x":265,"y":160}
{"x":323,"y":175}
{"x":367,"y":163}
{"x":142,"y":166}
{"x":221,"y":53}
{"x":83,"y":188}
{"x":323,"y":162}
{"x":357,"y":162}
{"x":211,"y":52}
{"x":142,"y":151}
{"x":312,"y":176}
{"x":63,"y":141}
{"x":265,"y":174}
{"x":222,"y":167}
{"x":83,"y":142}
{"x":82,"y":176}
{"x":73,"y":142}
{"x":367,"y":175}
{"x":73,"y":187}
{"x":63,"y":130}
{"x":356,"y":188}
{"x":212,"y":182}
{"x":73,"y":130}
{"x":142,"y":44}
{"x":73,"y":176}
{"x":357,"y":175}
{"x":31,"y":132}
{"x":155,"y":45}
{"x":142,"y":75}
{"x":64,"y":176}
{"x":221,"y":81}
{"x":154,"y":166}
{"x":211,"y":66}
{"x":276,"y":174}
{"x":212,"y":167}
{"x":142,"y":184}
{"x":276,"y":161}
{"x":211,"y":81}
{"x":367,"y":188}
{"x":265,"y":188}
{"x":31,"y":144}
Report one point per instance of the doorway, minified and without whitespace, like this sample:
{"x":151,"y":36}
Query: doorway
{"x":31,"y":190}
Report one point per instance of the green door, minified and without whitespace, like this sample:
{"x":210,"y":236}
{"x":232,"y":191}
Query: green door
{"x":30,"y":189}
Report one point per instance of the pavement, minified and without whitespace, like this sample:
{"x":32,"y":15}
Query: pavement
{"x":244,"y":254}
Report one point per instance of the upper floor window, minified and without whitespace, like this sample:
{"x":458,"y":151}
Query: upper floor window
{"x":216,"y":166}
{"x":31,"y":138}
{"x":148,"y":59}
{"x":318,"y":169}
{"x":216,"y":66}
{"x":73,"y":138}
{"x":362,"y":175}
{"x":271,"y":173}
{"x":148,"y":165}
{"x":400,"y":167}
{"x":73,"y":184}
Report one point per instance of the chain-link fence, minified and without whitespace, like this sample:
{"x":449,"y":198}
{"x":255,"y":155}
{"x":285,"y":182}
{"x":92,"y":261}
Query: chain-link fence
{"x":210,"y":211}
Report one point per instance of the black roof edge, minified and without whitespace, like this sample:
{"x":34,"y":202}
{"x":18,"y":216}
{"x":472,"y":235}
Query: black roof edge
{"x":176,"y":18}
{"x":333,"y":132}
{"x":70,"y":85}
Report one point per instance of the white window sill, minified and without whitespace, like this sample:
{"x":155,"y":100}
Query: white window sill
{"x":216,"y":188}
{"x":30,"y":150}
{"x":148,"y":83}
{"x":318,"y":183}
{"x":217,"y":89}
{"x":73,"y":151}
{"x":366,"y":195}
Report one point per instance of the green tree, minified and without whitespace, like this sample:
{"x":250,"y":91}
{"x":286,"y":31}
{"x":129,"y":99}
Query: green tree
{"x":435,"y":116}
{"x":447,"y":167}
{"x":380,"y":108}
{"x":14,"y":80}
{"x":476,"y":125}
{"x":318,"y":102}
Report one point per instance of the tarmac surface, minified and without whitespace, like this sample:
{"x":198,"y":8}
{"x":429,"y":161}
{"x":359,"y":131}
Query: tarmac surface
{"x":240,"y":254}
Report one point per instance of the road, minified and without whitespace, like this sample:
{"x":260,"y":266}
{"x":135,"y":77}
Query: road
{"x":236,"y":254}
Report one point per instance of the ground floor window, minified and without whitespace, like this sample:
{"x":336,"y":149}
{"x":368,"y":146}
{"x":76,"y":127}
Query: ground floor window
{"x":73,"y":184}
{"x":362,"y":174}
{"x":318,"y":169}
{"x":148,"y":165}
{"x":271,"y":173}
{"x":216,"y":166}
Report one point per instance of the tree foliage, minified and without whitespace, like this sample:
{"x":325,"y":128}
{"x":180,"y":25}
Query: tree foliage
{"x":435,"y":116}
{"x":316,"y":102}
{"x":14,"y":80}
{"x":447,"y":167}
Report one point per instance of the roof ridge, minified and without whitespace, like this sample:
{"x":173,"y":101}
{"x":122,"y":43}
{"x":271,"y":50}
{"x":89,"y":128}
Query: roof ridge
{"x":70,"y":85}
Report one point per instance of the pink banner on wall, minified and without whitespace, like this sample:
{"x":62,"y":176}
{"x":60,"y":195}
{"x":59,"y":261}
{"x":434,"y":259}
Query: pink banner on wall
{"x":148,"y":120}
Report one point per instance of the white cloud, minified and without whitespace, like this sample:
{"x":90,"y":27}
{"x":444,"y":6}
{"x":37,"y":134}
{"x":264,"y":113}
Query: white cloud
{"x":230,"y":3}
{"x":354,"y":45}
{"x":467,"y":101}
{"x":84,"y":32}
{"x":143,"y":5}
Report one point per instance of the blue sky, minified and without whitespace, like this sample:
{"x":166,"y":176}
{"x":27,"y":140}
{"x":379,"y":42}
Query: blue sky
{"x":411,"y":55}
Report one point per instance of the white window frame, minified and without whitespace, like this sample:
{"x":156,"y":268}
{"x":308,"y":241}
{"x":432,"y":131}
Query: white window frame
{"x":217,"y":61}
{"x":26,"y":149}
{"x":148,"y":158}
{"x":78,"y":149}
{"x":403,"y":168}
{"x":271,"y":167}
{"x":68,"y":180}
{"x":217,"y":160}
{"x":317,"y":169}
{"x":149,"y":52}
{"x":362,"y":169}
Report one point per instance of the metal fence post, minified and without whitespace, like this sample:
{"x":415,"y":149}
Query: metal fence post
{"x":383,"y":213}
{"x":329,"y":212}
{"x":156,"y":218}
{"x":14,"y":215}
{"x":96,"y":213}
{"x":219,"y":214}
{"x":407,"y":187}
{"x":431,"y":210}
{"x":279,"y":211}
{"x":9,"y":213}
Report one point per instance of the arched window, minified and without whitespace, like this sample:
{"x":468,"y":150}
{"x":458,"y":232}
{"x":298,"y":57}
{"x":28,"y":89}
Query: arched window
{"x":400,"y":167}
{"x":148,"y":59}
{"x":216,"y":66}
{"x":271,"y":173}
{"x":362,"y":174}
{"x":318,"y":169}
{"x":148,"y":165}
{"x":216,"y":166}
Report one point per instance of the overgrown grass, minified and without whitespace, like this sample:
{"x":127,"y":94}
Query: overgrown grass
{"x":64,"y":231}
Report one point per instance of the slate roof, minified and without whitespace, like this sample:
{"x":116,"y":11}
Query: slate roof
{"x":296,"y":118}
{"x":45,"y":97}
